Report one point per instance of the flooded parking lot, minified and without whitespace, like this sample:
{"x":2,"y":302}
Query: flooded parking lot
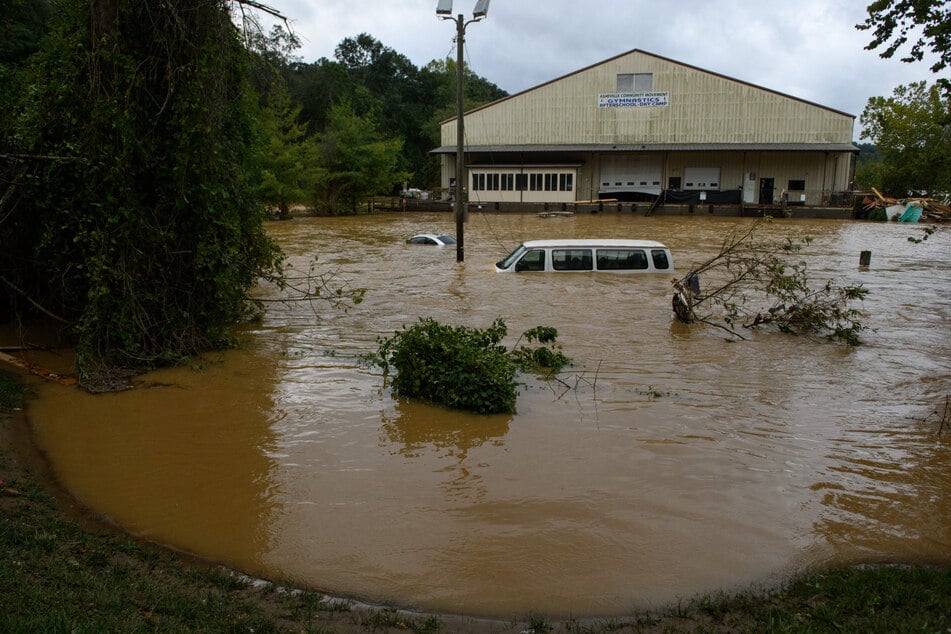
{"x":668,"y":461}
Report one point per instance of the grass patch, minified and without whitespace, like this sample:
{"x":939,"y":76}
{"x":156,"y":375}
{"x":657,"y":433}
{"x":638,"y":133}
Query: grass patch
{"x":59,"y":576}
{"x":11,"y":393}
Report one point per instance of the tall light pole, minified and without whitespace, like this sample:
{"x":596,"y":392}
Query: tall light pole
{"x":444,"y":10}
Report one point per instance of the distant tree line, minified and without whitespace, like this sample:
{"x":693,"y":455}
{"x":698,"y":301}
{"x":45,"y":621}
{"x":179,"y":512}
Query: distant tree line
{"x":384,"y":88}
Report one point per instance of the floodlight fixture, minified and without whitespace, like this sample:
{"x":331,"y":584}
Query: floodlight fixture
{"x":444,"y":7}
{"x":481,"y":9}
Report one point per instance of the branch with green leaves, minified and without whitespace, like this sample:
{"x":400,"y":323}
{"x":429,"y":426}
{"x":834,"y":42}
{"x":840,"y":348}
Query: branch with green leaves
{"x":755,"y":282}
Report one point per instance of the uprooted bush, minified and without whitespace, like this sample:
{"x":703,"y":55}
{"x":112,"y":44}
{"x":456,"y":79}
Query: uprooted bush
{"x":753,"y":282}
{"x":464,"y":368}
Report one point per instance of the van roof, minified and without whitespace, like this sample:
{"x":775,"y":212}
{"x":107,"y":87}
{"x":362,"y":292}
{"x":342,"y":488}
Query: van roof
{"x":594,"y":242}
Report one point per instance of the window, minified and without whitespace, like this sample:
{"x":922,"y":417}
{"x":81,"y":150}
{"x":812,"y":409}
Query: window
{"x":521,"y":182}
{"x":571,"y":259}
{"x":661,"y":261}
{"x":797,"y":186}
{"x":478,"y":182}
{"x":536,"y":182}
{"x":532,"y":261}
{"x":635,"y":82}
{"x":551,"y":182}
{"x":565,"y":182}
{"x":508,"y":182}
{"x":492,"y":182}
{"x":621,"y":259}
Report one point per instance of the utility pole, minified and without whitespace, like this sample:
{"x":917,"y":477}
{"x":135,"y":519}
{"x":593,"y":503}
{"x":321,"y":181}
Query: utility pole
{"x":444,"y":10}
{"x":460,"y":209}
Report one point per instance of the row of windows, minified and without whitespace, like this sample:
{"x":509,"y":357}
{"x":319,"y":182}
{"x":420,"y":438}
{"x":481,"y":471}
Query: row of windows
{"x":564,"y":182}
{"x":519,"y":182}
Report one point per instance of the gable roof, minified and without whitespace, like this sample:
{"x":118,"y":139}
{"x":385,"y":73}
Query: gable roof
{"x":659,"y":57}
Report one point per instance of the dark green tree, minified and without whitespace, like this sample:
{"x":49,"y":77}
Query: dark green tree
{"x":926,"y":22}
{"x":288,"y":160}
{"x":409,"y":102}
{"x":358,"y":161}
{"x":912,"y":131}
{"x":868,"y":167}
{"x":23,"y":23}
{"x":141,"y":229}
{"x":317,"y":87}
{"x":439,"y":79}
{"x":392,"y":81}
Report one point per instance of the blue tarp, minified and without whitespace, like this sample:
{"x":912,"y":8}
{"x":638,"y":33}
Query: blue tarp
{"x":912,"y":214}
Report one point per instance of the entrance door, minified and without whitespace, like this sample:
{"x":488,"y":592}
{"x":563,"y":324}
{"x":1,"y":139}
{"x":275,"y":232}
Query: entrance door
{"x":749,"y":188}
{"x":766,"y":188}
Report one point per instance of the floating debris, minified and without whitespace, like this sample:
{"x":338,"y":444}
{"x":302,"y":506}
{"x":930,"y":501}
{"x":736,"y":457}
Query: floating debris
{"x":921,"y":209}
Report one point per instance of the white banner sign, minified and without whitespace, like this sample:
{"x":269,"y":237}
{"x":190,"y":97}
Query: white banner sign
{"x":633,"y":99}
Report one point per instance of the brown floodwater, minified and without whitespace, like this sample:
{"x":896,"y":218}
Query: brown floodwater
{"x":668,"y":461}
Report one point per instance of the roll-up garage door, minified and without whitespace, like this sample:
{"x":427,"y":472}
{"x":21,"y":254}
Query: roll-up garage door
{"x":702,"y":178}
{"x":631,"y":173}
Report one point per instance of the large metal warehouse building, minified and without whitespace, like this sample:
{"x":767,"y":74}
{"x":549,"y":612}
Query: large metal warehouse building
{"x":637,"y":125}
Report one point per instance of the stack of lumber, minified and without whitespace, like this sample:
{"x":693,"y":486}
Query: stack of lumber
{"x":937,"y":211}
{"x":933,"y":210}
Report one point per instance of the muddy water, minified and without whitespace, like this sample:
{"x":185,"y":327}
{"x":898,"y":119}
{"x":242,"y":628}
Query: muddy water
{"x":668,"y":462}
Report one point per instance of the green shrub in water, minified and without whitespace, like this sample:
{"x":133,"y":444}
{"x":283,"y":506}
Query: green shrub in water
{"x":456,"y":366}
{"x":466,"y":368}
{"x":548,"y":356}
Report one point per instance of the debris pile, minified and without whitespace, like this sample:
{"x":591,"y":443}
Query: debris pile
{"x":922,"y":209}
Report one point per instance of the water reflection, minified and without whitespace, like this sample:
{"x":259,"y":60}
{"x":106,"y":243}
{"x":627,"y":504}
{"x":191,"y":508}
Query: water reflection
{"x":679,"y":462}
{"x":416,"y":428}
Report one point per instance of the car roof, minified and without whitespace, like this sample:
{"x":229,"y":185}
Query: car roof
{"x":443,"y":238}
{"x":594,"y":242}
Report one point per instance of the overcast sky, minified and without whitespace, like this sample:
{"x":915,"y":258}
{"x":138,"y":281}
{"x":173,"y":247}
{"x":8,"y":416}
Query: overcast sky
{"x":805,"y":48}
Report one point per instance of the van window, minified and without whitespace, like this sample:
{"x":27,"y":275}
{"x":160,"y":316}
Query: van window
{"x":532,"y":261}
{"x":661,"y":261}
{"x":571,"y":259}
{"x":621,"y":259}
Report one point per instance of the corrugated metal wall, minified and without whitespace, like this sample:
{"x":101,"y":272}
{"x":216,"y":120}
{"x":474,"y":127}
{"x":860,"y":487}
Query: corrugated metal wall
{"x":703,"y":108}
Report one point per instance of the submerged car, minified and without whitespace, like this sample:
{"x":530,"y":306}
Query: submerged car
{"x":580,"y":255}
{"x":439,"y":240}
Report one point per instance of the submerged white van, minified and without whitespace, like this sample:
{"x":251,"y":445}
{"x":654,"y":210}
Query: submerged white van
{"x":612,"y":256}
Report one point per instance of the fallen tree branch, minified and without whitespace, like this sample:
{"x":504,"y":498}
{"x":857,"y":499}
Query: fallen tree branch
{"x":33,"y":302}
{"x":38,"y":157}
{"x":263,"y":7}
{"x":748,"y":270}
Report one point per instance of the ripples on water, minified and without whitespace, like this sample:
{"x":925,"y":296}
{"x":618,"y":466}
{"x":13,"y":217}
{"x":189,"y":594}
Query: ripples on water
{"x":668,"y":462}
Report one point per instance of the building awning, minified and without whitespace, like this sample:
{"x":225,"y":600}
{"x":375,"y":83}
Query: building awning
{"x":655,"y":147}
{"x":510,"y":165}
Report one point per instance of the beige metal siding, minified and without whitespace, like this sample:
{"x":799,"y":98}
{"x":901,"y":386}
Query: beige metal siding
{"x":704,"y":108}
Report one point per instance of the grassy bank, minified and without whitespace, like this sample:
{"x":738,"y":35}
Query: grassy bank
{"x":59,"y":573}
